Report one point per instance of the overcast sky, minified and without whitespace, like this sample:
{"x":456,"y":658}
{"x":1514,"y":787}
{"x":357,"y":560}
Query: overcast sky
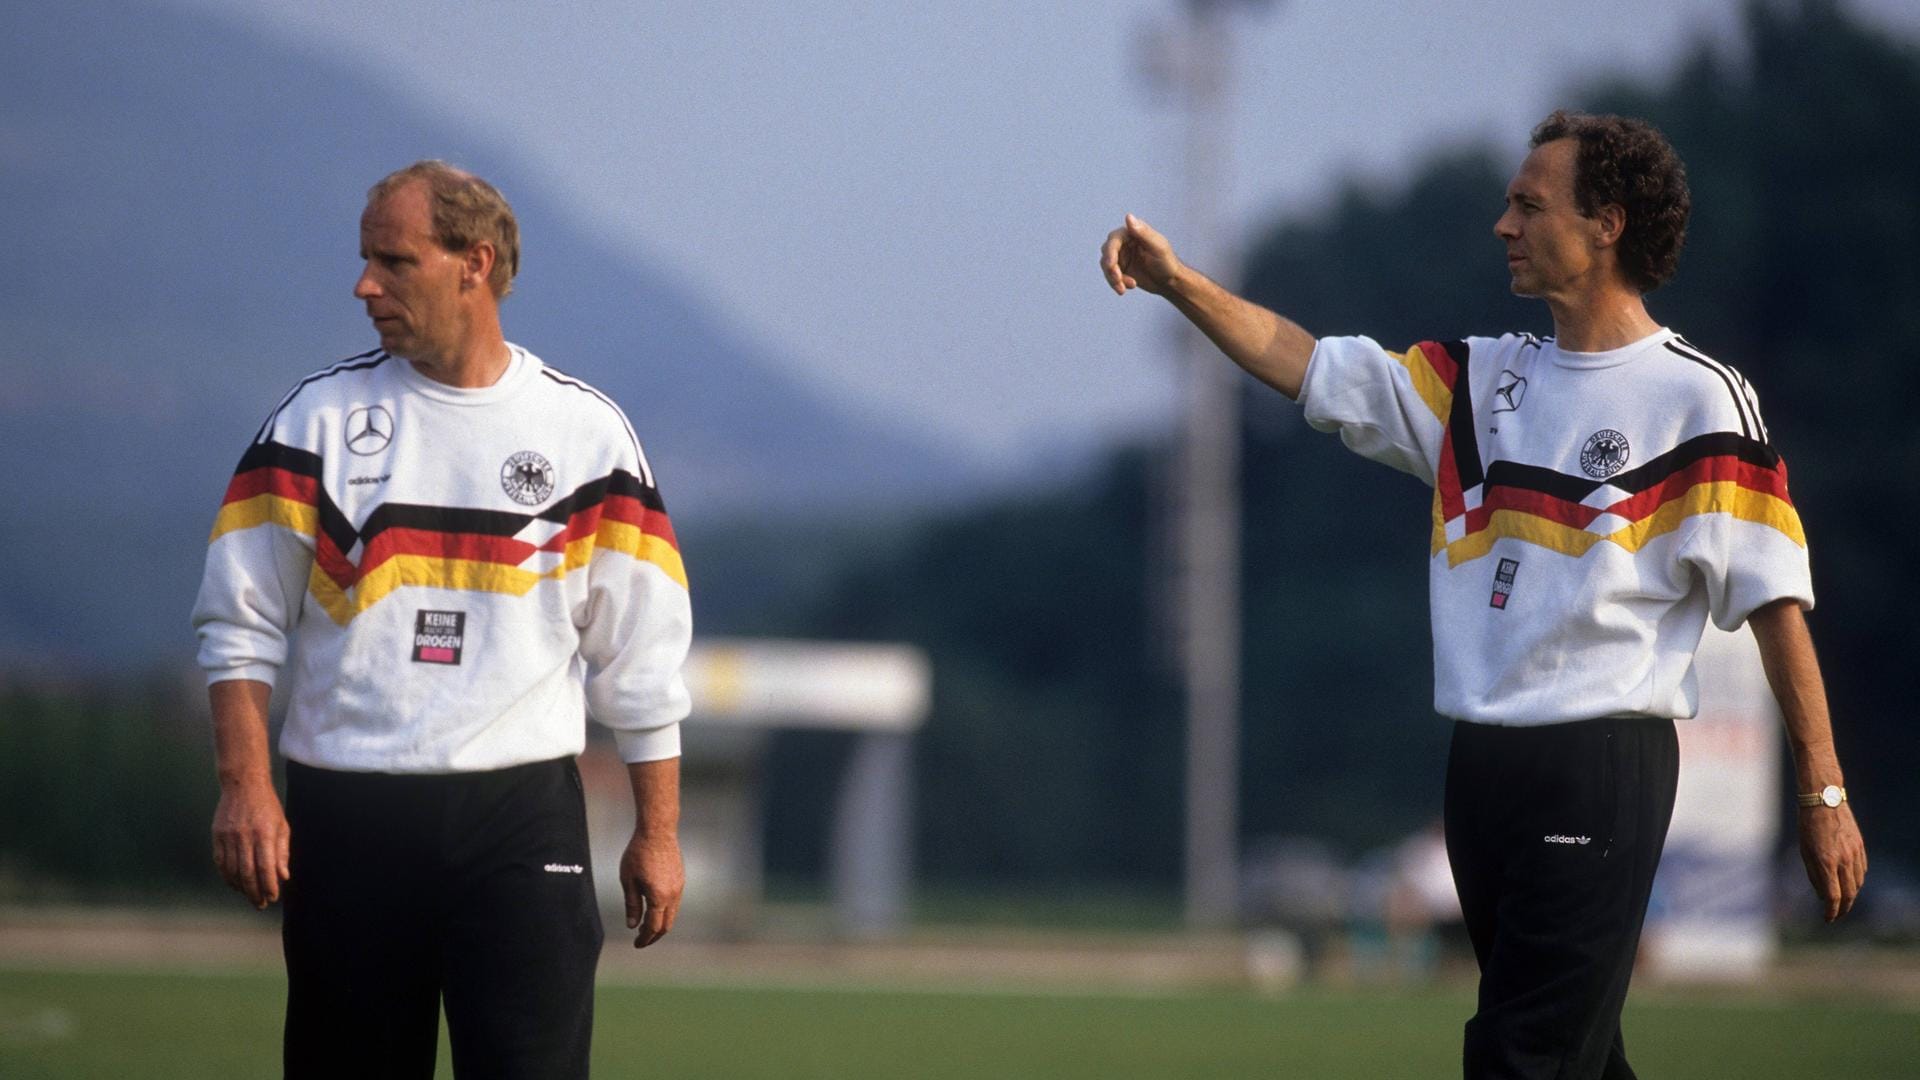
{"x":905,"y":200}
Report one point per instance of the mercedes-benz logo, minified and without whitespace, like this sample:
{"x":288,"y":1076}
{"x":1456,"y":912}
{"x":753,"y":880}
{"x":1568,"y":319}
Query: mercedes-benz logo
{"x":1511,"y":390}
{"x":369,"y":429}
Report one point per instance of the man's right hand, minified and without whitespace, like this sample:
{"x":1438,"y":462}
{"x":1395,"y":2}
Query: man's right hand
{"x":251,"y":840}
{"x":1269,"y":347}
{"x":1136,"y":256}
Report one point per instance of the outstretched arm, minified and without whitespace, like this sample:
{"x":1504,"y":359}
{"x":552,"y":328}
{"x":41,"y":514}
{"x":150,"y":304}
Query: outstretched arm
{"x":1272,"y":348}
{"x":1830,"y":844}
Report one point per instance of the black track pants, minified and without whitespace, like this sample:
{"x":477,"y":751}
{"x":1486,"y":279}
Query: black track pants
{"x":1554,"y":833}
{"x":474,"y":888}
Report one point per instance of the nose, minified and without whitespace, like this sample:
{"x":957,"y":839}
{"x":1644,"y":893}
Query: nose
{"x":365,"y":288}
{"x":1503,"y":226}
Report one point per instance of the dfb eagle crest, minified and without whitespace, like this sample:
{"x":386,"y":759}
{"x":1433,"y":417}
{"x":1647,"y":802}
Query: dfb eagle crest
{"x":527,"y":478}
{"x":1605,"y":454}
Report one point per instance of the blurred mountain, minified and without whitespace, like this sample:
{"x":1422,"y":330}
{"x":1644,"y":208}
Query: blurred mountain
{"x":182,"y":200}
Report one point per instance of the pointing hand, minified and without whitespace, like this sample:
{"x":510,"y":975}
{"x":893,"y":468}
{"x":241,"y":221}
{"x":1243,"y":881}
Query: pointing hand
{"x":1136,"y":256}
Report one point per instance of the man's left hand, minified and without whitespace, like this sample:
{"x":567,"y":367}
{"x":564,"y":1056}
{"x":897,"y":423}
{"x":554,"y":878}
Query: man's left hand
{"x":1835,"y":856}
{"x":652,"y":876}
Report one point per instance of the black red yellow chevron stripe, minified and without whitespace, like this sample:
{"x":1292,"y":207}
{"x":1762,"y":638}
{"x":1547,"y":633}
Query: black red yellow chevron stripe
{"x":403,"y":544}
{"x":1721,"y":472}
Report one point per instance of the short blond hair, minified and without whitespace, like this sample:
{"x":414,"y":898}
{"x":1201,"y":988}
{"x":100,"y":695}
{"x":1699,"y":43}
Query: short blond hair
{"x":466,"y":211}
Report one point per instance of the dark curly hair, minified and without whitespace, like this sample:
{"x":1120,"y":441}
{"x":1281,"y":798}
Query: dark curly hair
{"x":1628,"y":163}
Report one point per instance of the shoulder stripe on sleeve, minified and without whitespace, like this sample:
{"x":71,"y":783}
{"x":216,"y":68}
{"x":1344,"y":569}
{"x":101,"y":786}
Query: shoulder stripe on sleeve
{"x":1460,"y":470}
{"x":273,"y":485}
{"x":1434,"y":374}
{"x":1747,"y":393}
{"x":646,"y":471}
{"x":1753,"y":404}
{"x":369,"y":359}
{"x":1727,"y":376}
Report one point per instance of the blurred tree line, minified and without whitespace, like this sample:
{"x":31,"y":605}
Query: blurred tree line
{"x":1054,"y":753}
{"x":106,"y":792}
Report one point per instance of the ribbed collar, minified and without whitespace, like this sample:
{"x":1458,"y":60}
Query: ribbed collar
{"x":521,"y":366}
{"x":1611,"y":357}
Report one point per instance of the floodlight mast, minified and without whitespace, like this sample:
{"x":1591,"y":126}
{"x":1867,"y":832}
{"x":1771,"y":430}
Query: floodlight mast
{"x":1195,"y":62}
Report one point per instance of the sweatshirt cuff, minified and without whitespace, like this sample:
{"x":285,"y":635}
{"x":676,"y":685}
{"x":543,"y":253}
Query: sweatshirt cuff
{"x":1310,"y":390}
{"x":257,"y":672}
{"x":649,"y":744}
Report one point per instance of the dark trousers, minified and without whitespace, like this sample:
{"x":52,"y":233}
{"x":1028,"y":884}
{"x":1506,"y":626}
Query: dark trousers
{"x":1554,"y":833}
{"x":473,"y":889}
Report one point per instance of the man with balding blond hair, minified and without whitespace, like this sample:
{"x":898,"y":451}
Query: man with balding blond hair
{"x":460,"y":553}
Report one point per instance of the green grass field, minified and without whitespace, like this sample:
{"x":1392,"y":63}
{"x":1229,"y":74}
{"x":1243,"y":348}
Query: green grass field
{"x":59,"y":1025}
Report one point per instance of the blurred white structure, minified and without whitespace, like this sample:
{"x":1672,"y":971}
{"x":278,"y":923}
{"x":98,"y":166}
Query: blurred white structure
{"x":742,"y":691}
{"x":1712,"y":911}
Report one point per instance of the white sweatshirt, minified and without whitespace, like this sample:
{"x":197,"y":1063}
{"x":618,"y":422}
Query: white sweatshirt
{"x":1590,"y":511}
{"x":457,"y":577}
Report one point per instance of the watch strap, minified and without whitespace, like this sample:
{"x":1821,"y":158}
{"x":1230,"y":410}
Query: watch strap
{"x":1819,"y":798}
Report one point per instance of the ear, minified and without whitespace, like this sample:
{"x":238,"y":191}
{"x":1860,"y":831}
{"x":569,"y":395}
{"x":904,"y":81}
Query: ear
{"x":476,"y":265}
{"x":1609,"y":222}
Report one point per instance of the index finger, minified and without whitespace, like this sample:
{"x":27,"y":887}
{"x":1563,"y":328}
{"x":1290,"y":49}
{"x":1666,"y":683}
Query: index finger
{"x":246,"y":877}
{"x":1829,"y":889}
{"x":225,"y":862}
{"x":653,"y":925}
{"x":647,"y":923}
{"x":266,"y":867}
{"x":1110,"y":259}
{"x":637,"y":904}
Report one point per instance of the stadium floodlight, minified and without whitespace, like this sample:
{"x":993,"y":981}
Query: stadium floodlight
{"x":1193,"y":62}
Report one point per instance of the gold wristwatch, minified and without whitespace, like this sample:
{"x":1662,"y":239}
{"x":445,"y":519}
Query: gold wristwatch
{"x":1830,"y":796}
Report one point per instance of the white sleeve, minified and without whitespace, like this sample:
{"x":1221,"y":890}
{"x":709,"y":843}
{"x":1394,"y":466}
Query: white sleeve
{"x":636,"y":622}
{"x":1389,"y":407}
{"x":259,"y":558}
{"x":1748,"y":547}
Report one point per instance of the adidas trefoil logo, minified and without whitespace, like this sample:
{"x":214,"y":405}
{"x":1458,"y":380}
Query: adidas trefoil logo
{"x":1556,"y":838}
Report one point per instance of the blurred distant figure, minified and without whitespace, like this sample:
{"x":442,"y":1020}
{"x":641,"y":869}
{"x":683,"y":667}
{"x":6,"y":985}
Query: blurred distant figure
{"x":1298,"y":886}
{"x":1598,"y":495}
{"x":1403,"y":909}
{"x":1423,"y":904}
{"x":461,"y":552}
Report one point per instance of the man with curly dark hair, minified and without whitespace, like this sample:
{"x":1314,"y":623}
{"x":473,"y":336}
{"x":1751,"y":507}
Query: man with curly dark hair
{"x":1628,"y":164}
{"x":1598,"y":496}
